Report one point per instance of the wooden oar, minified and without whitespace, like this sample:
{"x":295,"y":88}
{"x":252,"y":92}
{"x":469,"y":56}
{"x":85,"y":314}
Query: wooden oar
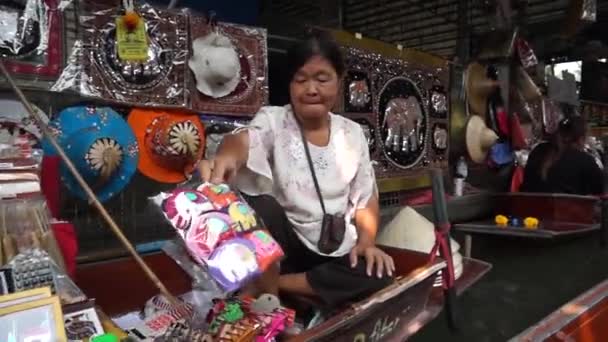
{"x":442,"y":227}
{"x":91,"y":195}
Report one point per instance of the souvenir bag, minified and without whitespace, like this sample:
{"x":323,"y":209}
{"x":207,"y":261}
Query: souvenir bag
{"x":221,"y":232}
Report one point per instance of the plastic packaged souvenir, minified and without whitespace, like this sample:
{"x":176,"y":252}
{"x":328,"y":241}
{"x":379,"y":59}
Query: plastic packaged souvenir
{"x":129,"y":54}
{"x":234,"y":317}
{"x":221,"y":232}
{"x":34,"y":39}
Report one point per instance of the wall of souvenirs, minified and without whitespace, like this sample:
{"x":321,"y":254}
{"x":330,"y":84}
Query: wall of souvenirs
{"x":137,"y":100}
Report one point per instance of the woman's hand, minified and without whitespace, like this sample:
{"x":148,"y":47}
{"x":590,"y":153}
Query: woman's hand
{"x":221,"y":169}
{"x":373,"y":256}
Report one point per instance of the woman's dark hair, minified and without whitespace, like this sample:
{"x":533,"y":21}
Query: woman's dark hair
{"x":317,"y":43}
{"x":571,"y":130}
{"x":569,"y":133}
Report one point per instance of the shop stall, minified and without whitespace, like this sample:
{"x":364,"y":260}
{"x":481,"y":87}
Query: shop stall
{"x":109,"y":107}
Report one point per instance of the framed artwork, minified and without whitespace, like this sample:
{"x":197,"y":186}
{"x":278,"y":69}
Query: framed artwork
{"x":24,"y":296}
{"x":81,"y":321}
{"x":34,"y":321}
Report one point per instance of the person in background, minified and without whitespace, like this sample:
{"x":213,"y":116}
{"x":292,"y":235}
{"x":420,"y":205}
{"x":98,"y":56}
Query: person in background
{"x":562,"y":165}
{"x":274,"y":173}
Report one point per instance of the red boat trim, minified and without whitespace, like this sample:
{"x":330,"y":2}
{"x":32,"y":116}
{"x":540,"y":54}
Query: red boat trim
{"x":400,"y":286}
{"x":559,"y":319}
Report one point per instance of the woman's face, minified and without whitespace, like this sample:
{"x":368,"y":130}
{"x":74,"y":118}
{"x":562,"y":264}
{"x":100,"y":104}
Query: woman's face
{"x":314,"y":88}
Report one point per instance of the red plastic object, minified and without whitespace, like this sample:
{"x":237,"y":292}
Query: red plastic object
{"x":65,"y":234}
{"x":50,"y":184}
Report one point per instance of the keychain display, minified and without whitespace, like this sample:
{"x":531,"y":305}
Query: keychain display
{"x":221,"y":232}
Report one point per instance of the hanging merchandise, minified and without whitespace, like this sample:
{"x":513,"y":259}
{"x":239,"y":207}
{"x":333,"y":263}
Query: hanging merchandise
{"x":132,"y":54}
{"x":527,"y":57}
{"x":33,"y":39}
{"x":403,"y":122}
{"x":357,"y":92}
{"x":215,"y":129}
{"x":439,"y":101}
{"x":400,"y":103}
{"x":221,"y":232}
{"x":479,"y":87}
{"x":13,"y":113}
{"x":479,"y":139}
{"x":100,"y":144}
{"x":229,"y":65}
{"x":171,"y":143}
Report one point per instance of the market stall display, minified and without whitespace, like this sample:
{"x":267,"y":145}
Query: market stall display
{"x":186,"y":66}
{"x":102,"y":145}
{"x":549,"y":216}
{"x":171,"y":143}
{"x":229,"y":67}
{"x":402,"y":104}
{"x":34,"y":40}
{"x":221,"y":232}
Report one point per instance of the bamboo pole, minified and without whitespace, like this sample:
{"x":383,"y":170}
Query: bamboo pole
{"x":87,"y":189}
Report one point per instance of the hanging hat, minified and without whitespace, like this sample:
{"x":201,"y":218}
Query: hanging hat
{"x":171,"y":143}
{"x":100,"y":144}
{"x":13,"y":112}
{"x":215,"y":64}
{"x":479,"y":87}
{"x":479,"y":138}
{"x":525,"y":85}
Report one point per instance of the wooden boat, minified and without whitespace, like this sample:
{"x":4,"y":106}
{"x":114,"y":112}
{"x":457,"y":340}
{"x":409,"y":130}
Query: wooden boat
{"x":392,"y":314}
{"x":584,"y":319}
{"x":559,"y":215}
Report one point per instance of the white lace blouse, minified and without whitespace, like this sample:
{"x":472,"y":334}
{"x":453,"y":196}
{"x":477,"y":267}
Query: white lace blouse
{"x":277,"y":165}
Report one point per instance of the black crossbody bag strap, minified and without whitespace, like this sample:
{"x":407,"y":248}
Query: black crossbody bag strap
{"x":312,"y":169}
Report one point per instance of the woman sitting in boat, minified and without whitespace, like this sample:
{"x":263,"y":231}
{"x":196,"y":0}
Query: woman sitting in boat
{"x":305,"y":191}
{"x":562,"y":165}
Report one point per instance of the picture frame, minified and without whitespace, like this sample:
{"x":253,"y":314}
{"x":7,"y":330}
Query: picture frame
{"x":24,"y":296}
{"x":81,"y":321}
{"x":38,"y":320}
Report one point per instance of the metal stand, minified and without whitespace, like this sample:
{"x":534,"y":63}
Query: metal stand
{"x":442,"y":230}
{"x":604,"y":198}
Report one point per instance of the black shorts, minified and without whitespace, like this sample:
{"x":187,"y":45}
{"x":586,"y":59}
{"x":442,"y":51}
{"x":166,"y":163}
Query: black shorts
{"x":332,"y":278}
